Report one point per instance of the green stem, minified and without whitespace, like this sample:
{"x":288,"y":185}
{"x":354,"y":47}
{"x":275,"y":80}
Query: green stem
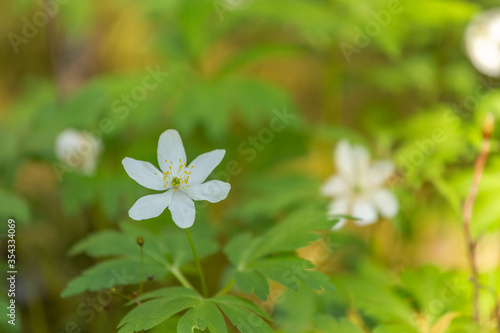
{"x":180,"y":277}
{"x":226,"y":288}
{"x":198,"y":265}
{"x":141,"y":284}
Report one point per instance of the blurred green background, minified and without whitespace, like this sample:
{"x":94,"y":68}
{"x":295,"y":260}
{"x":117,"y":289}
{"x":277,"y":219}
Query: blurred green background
{"x":385,"y":74}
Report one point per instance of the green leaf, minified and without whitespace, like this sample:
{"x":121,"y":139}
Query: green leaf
{"x":205,"y":315}
{"x":13,"y":206}
{"x":240,"y":302}
{"x":295,"y":232}
{"x":176,"y":244}
{"x":242,"y":314}
{"x":167,"y":293}
{"x":396,"y":328}
{"x":291,"y":272}
{"x":251,"y":281}
{"x":107,"y":243}
{"x":328,"y":324}
{"x":152,"y":313}
{"x":110,"y":273}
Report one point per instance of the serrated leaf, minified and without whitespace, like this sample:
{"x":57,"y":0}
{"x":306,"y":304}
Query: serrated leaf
{"x":106,"y":243}
{"x":245,"y":320}
{"x":289,"y":271}
{"x":296,"y":232}
{"x":251,"y":281}
{"x":167,"y":293}
{"x":240,"y":302}
{"x":205,"y":315}
{"x":237,"y":249}
{"x":152,"y":313}
{"x":110,"y":273}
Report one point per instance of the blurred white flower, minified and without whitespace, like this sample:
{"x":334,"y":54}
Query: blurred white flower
{"x":78,"y":150}
{"x":482,"y":42}
{"x":358,"y":187}
{"x":182,"y":184}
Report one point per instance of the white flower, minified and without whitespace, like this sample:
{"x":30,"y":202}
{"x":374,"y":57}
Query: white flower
{"x":358,"y":188}
{"x":182,"y":184}
{"x":482,"y":42}
{"x":78,"y":150}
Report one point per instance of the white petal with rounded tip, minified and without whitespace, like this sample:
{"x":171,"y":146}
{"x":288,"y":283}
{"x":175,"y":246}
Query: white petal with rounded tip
{"x":365,"y":211}
{"x":212,"y":191}
{"x":182,"y":209}
{"x":203,"y":165}
{"x":380,"y":172}
{"x":343,"y":158}
{"x":144,"y":173}
{"x":150,"y":206}
{"x":338,"y":207}
{"x":334,"y":186}
{"x":170,"y":148}
{"x":340,"y":224}
{"x":361,"y":159}
{"x":386,"y":203}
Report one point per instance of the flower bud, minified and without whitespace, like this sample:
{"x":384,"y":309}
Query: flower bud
{"x":489,"y":123}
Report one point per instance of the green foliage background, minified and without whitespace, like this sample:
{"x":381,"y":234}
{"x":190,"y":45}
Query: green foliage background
{"x":231,"y":70}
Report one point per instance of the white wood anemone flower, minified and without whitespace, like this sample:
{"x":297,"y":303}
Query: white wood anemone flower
{"x":180,"y":182}
{"x":482,"y":42}
{"x":78,"y":150}
{"x":358,"y":188}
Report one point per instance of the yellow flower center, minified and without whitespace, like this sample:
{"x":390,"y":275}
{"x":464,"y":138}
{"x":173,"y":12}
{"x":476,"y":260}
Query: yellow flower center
{"x":175,"y":179}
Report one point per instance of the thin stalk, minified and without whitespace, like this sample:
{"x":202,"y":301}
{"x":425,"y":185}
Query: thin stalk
{"x":198,"y":265}
{"x":141,"y":284}
{"x":226,"y":288}
{"x":181,"y":278}
{"x":467,"y":213}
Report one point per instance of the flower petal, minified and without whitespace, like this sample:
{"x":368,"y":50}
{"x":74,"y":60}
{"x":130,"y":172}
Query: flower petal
{"x":334,"y":186}
{"x":351,"y":161}
{"x":386,"y":203}
{"x":144,"y":173}
{"x":380,"y":172}
{"x":182,"y":209}
{"x":150,"y":206}
{"x":344,"y":158}
{"x":338,"y":207}
{"x":170,"y":150}
{"x":365,"y":211}
{"x":361,"y":159}
{"x":212,"y":191}
{"x":204,"y":164}
{"x":339,"y":225}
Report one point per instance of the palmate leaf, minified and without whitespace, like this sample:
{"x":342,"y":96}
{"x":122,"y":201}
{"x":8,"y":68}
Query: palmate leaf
{"x":202,"y":313}
{"x":161,"y":254}
{"x":243,"y":314}
{"x":291,"y":271}
{"x":98,"y":245}
{"x":254,"y":261}
{"x":152,"y":313}
{"x":111,"y":273}
{"x":297,"y":231}
{"x":252,"y":282}
{"x":204,"y":316}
